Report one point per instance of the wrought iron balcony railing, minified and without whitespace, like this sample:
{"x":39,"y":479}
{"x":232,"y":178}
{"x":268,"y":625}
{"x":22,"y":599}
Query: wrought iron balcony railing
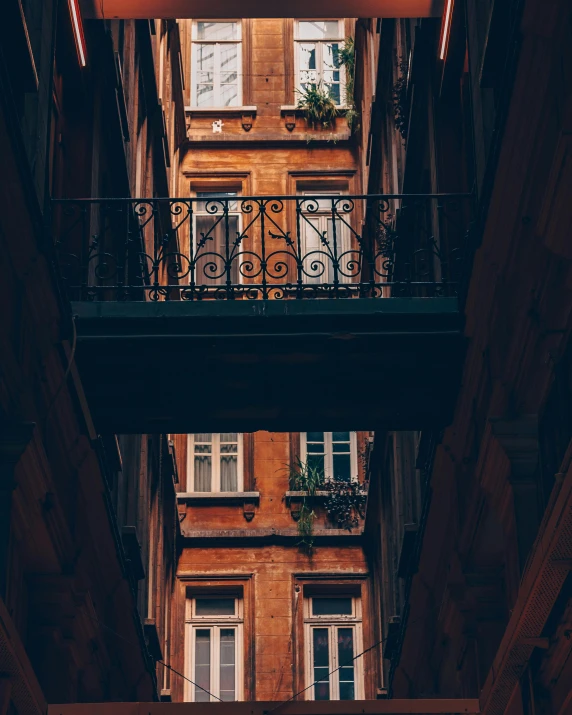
{"x":226,"y":246}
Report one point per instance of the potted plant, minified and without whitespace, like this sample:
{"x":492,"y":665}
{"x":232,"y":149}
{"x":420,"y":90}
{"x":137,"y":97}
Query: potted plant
{"x":317,"y":105}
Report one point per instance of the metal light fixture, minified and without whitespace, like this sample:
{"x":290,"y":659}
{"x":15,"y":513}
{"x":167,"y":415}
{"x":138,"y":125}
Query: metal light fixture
{"x":77,"y":27}
{"x":446,"y":29}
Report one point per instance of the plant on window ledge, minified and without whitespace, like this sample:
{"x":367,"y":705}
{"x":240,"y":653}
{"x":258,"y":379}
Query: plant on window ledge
{"x":399,"y":97}
{"x":305,"y":524}
{"x":307,"y":479}
{"x":345,"y":502}
{"x":347,"y":59}
{"x":317,"y":105}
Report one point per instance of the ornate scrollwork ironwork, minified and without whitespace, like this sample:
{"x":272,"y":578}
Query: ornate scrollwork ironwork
{"x":327,"y":246}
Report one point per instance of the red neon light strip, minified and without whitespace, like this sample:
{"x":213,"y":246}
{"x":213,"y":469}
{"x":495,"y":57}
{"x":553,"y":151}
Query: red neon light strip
{"x":77,"y":26}
{"x":446,"y":29}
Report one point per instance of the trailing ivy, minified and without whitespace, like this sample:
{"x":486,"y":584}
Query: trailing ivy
{"x":305,"y":524}
{"x":399,"y":97}
{"x":347,"y":59}
{"x":345,"y":502}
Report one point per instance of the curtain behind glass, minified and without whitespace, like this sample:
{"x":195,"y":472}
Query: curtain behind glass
{"x":203,"y":462}
{"x":229,"y":462}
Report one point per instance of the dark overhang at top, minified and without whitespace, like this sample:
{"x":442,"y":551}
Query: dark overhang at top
{"x":146,"y":9}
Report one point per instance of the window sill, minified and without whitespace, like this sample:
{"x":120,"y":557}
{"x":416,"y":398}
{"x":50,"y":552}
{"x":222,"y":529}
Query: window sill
{"x":299,"y":496}
{"x":224,"y":111}
{"x":292,"y":496}
{"x":294,"y":109}
{"x":198,"y":498}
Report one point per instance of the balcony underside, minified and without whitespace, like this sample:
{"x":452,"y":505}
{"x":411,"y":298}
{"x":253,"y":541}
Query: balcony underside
{"x":284,"y":365}
{"x":143,"y":9}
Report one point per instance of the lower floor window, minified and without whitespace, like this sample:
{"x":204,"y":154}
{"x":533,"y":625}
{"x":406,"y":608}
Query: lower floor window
{"x":333,"y":649}
{"x":214,"y":648}
{"x":333,"y":632}
{"x":215,"y":660}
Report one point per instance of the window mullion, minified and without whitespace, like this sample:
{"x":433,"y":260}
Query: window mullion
{"x":215,"y":668}
{"x":328,"y":457}
{"x":216,"y":462}
{"x":216,"y":74}
{"x":334,"y":690}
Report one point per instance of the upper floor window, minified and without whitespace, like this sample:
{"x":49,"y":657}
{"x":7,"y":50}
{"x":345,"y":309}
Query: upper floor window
{"x":214,"y":638}
{"x":325,"y":236}
{"x":317,"y":49}
{"x":217,"y":224}
{"x":216,"y":62}
{"x":215,"y":462}
{"x":333,"y":638}
{"x":332,"y":453}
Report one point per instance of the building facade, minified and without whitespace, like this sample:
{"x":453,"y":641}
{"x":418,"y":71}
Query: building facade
{"x":273,"y":587}
{"x":88,"y":524}
{"x":468,"y":526}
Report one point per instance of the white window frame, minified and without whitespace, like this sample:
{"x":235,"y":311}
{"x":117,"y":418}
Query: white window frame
{"x":215,"y":463}
{"x":323,"y":216}
{"x":196,"y":212}
{"x":216,"y":79}
{"x":319,"y":41}
{"x":329,"y":454}
{"x":332,"y":623}
{"x":215,"y":624}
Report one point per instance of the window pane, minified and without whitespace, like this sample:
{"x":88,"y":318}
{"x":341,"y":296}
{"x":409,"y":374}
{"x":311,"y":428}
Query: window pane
{"x":333,"y":90}
{"x":315,"y":448}
{"x":346,"y":663}
{"x":335,"y":606}
{"x":203,"y":437}
{"x":212,"y":249}
{"x":319,"y":30}
{"x":342,"y":467}
{"x":340,"y":437}
{"x":217,"y":31}
{"x":314,"y":437}
{"x":227,"y":664}
{"x":341,"y":448}
{"x":202,"y":664}
{"x":229,"y":437}
{"x":316,"y":462}
{"x":229,"y":60}
{"x":331,"y":58}
{"x":215,"y":606}
{"x":204,"y":57}
{"x":228,"y":472}
{"x":205,"y":95}
{"x":229,"y":95}
{"x":307,"y":57}
{"x":215,"y":206}
{"x":321,"y":663}
{"x":203,"y":473}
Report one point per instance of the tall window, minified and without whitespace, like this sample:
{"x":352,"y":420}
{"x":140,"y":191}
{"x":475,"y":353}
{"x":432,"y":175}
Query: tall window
{"x":333,"y":636}
{"x":215,"y":462}
{"x":317,"y":47}
{"x":325,"y":237}
{"x":214,"y":638}
{"x":216,"y":62}
{"x":217,"y":225}
{"x":333,"y":453}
